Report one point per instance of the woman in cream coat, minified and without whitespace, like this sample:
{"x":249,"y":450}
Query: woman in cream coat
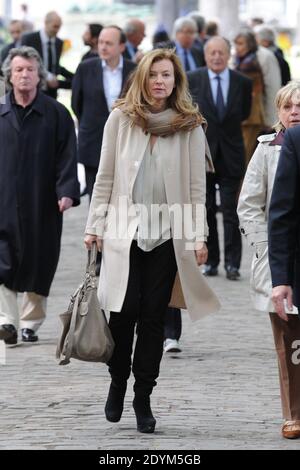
{"x":253,"y":210}
{"x":153,"y":153}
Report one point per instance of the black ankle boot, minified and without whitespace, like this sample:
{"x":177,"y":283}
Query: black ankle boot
{"x":115,"y":402}
{"x":144,"y":417}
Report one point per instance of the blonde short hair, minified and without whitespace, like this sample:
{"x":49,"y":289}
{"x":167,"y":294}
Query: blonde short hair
{"x":284,"y":96}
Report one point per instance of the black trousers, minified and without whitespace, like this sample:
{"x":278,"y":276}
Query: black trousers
{"x":229,"y":191}
{"x":149,"y":289}
{"x":173,"y":323}
{"x":90,"y":177}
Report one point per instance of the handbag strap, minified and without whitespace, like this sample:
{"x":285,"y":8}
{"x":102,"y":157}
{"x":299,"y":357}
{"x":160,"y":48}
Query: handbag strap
{"x":69,"y":345}
{"x":90,"y":270}
{"x":92,"y":259}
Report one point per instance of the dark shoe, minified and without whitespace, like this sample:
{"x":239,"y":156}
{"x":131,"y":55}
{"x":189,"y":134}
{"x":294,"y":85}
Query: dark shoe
{"x":209,"y":270}
{"x":28,"y":336}
{"x":9,"y":334}
{"x":291,"y":429}
{"x":115,"y":402}
{"x":232,"y":273}
{"x":144,"y":417}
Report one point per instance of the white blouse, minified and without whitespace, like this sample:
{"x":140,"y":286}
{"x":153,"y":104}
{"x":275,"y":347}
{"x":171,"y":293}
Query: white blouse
{"x":149,"y":194}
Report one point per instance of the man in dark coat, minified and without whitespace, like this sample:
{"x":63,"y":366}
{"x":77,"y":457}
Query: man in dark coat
{"x":134,"y":30}
{"x":97,"y":84}
{"x":284,"y":226}
{"x":50,"y":47}
{"x":224,"y":98}
{"x":38,"y":182}
{"x":90,"y":38}
{"x":185,"y":31}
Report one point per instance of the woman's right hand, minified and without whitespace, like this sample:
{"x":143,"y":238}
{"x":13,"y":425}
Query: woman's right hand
{"x":90,"y":239}
{"x":279,"y":294}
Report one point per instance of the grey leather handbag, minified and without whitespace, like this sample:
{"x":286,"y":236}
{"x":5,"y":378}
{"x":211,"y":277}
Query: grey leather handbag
{"x":86,"y":335}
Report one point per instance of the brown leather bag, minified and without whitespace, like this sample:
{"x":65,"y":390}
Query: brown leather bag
{"x":86,"y":335}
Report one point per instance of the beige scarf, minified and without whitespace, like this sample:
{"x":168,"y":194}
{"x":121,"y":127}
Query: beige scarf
{"x":161,"y":124}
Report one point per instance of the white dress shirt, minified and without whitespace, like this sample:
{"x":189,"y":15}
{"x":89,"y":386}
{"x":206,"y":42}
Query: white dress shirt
{"x":149,"y":194}
{"x":180,"y":52}
{"x":112,"y":82}
{"x":45,"y":39}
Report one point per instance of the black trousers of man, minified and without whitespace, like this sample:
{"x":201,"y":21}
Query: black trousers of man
{"x":173,"y":323}
{"x":229,"y":190}
{"x":90,"y":177}
{"x":149,"y":289}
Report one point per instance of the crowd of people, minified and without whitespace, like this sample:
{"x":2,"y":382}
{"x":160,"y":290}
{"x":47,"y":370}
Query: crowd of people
{"x":178,"y":128}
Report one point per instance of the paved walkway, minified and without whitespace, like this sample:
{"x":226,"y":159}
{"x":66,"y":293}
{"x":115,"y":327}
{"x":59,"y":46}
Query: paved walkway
{"x":221,"y":392}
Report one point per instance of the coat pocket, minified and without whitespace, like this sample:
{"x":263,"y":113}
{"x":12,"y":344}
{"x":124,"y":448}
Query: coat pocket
{"x":260,"y":273}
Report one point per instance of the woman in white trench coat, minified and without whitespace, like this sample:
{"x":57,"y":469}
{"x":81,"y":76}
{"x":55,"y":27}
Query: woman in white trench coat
{"x":153,"y":154}
{"x":253,"y":210}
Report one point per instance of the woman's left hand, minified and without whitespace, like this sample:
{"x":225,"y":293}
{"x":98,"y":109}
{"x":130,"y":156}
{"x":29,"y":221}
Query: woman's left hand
{"x":201,"y":253}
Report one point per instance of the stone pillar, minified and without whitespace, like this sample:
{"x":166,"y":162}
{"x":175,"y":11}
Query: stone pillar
{"x":5,"y":9}
{"x":225,"y":11}
{"x":297,"y":38}
{"x":168,"y":10}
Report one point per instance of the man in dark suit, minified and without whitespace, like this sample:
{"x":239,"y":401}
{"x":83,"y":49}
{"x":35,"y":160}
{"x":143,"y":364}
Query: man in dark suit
{"x":15,"y":30}
{"x":50,"y":47}
{"x":97,"y":84}
{"x":284,"y":260}
{"x":201,"y":36}
{"x":224,"y":98}
{"x":185,"y":31}
{"x":134,"y":30}
{"x":284,"y":226}
{"x":90,"y":38}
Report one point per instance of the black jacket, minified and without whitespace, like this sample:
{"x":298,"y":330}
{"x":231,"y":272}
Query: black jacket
{"x":198,"y":56}
{"x":34,"y":40}
{"x":283,"y":65}
{"x":196,"y":53}
{"x":284,"y":217}
{"x":90,"y":106}
{"x":225,"y":136}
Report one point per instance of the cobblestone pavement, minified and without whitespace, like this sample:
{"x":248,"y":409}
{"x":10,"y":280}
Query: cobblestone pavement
{"x":221,"y":392}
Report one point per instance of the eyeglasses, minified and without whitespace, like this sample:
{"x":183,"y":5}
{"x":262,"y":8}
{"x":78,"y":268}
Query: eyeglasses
{"x":188,"y":32}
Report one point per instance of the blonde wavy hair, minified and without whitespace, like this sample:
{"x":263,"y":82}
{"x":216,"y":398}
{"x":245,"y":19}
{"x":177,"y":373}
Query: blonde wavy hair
{"x":283,"y":97}
{"x":137,"y":99}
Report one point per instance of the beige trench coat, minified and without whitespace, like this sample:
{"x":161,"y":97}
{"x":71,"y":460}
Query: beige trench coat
{"x":253,"y":209}
{"x":183,"y":162}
